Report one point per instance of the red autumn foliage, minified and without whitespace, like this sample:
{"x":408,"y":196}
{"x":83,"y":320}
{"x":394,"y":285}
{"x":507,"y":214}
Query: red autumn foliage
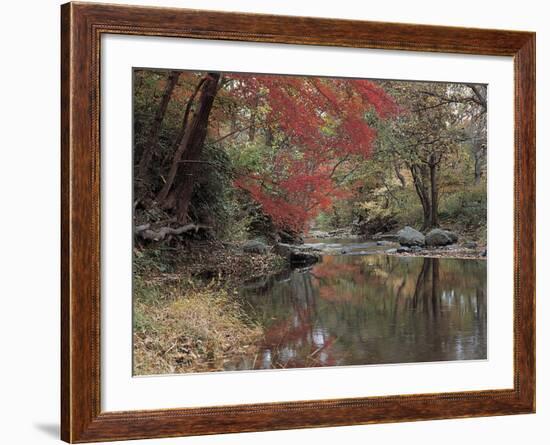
{"x":323,"y":122}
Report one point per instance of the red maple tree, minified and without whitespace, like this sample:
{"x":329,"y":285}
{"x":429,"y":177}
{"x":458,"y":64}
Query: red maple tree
{"x":323,"y":123}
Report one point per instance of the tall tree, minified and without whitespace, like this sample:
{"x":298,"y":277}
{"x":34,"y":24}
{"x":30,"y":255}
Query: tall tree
{"x":424,"y":136}
{"x":187,"y":155}
{"x":315,"y":132}
{"x":181,"y":143}
{"x":152,"y":139}
{"x":305,"y":134}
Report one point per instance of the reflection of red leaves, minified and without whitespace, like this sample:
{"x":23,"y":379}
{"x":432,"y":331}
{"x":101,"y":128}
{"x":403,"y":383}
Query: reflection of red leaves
{"x":289,"y":330}
{"x":333,"y":293}
{"x":331,"y":273}
{"x":298,"y":335}
{"x":330,"y":268}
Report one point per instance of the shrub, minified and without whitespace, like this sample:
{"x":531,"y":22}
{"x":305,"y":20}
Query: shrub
{"x":467,"y":208}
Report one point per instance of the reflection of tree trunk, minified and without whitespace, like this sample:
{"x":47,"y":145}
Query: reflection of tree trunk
{"x":480,"y":303}
{"x":152,"y":138}
{"x":435,"y":286}
{"x":421,"y":282}
{"x":310,"y":304}
{"x":308,"y":290}
{"x":398,"y":296}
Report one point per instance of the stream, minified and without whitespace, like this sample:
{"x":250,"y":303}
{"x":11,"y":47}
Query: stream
{"x":359,"y":306}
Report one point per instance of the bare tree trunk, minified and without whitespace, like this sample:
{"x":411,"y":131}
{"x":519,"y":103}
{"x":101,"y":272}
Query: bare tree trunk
{"x":480,"y":94}
{"x":185,"y":175}
{"x":152,"y":139}
{"x":252,"y":128}
{"x":419,"y":181}
{"x":268,"y":137}
{"x":434,"y":219}
{"x":477,"y":169}
{"x":399,"y":175}
{"x":479,"y":154}
{"x":232,"y":118}
{"x":181,"y":144}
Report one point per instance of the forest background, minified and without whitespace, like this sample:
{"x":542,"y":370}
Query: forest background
{"x":266,"y":155}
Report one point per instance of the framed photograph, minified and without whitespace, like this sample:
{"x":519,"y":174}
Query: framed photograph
{"x":275,"y":222}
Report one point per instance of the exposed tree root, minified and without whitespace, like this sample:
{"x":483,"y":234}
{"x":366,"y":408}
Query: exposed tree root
{"x":145,"y":232}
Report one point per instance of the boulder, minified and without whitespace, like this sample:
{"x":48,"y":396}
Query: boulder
{"x":283,"y":249}
{"x":255,"y":246}
{"x":452,"y":235}
{"x":298,"y":256}
{"x":304,"y":258}
{"x":440,"y":237}
{"x":410,"y":237}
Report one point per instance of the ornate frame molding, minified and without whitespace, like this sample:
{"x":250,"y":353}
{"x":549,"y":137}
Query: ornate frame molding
{"x":82,"y":25}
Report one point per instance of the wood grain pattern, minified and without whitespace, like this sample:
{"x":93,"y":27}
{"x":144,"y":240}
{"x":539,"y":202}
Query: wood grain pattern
{"x":81,"y":28}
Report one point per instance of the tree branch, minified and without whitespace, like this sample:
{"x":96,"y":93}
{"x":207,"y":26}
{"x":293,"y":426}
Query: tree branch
{"x":144,"y":231}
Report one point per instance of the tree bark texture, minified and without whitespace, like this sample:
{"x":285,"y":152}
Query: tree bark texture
{"x":181,"y":144}
{"x":419,"y":174}
{"x":191,"y":148}
{"x":434,"y":219}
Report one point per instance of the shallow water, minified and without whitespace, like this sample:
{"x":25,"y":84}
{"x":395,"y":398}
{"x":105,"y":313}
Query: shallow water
{"x":369,"y":309}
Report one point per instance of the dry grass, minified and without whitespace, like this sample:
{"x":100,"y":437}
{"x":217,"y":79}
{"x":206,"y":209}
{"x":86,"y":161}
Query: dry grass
{"x":184,"y":329}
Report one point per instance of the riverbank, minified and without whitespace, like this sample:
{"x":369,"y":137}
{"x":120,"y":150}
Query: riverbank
{"x":187,"y":313}
{"x":466,"y":244}
{"x":355,"y":246}
{"x":440,"y":243}
{"x":455,"y":251}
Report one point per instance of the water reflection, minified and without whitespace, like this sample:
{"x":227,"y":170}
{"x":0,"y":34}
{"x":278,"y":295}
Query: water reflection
{"x":351,"y":310}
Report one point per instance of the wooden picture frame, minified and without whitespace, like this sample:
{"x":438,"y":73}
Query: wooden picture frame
{"x":82,"y":26}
